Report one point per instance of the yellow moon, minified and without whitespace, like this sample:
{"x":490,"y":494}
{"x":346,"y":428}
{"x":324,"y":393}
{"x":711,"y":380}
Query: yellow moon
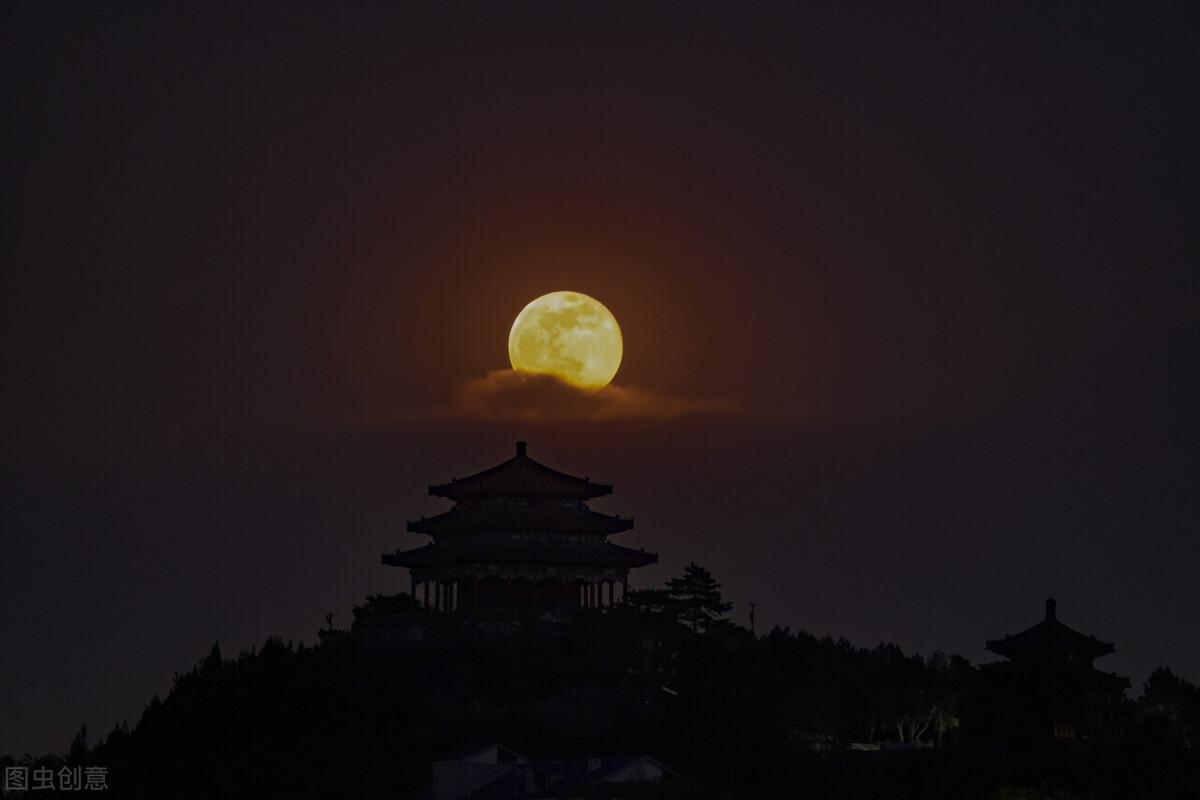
{"x":568,"y":335}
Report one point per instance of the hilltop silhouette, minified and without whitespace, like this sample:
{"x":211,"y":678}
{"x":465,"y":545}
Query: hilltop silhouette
{"x":522,"y":661}
{"x":663,"y":673}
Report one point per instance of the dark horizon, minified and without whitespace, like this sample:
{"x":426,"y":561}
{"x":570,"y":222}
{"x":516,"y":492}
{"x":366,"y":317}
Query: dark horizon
{"x":923,"y":286}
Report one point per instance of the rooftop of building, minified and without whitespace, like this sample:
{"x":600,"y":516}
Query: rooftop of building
{"x":558,"y":519}
{"x":520,"y":476}
{"x":1050,"y":638}
{"x":499,"y":551}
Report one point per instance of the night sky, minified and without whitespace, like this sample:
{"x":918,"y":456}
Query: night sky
{"x":909,"y":307}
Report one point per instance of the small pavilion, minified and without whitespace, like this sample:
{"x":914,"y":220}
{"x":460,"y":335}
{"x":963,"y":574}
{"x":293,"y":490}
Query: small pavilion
{"x":1051,"y":640}
{"x":1050,"y":668}
{"x":519,"y":537}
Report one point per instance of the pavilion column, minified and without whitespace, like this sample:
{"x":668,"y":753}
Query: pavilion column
{"x":610,"y":593}
{"x":425,"y":584}
{"x":412,"y":586}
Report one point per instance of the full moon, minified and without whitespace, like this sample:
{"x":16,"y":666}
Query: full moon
{"x":568,"y":335}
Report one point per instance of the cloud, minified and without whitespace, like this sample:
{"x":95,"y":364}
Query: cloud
{"x":511,"y":395}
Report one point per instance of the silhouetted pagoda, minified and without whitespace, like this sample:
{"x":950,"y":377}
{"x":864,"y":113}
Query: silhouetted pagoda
{"x":1050,"y":670}
{"x":520,"y":537}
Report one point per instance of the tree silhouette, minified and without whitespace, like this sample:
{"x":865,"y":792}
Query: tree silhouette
{"x":697,"y":596}
{"x":664,"y":675}
{"x":653,"y":602}
{"x":379,"y":604}
{"x":78,"y":752}
{"x":1172,"y":705}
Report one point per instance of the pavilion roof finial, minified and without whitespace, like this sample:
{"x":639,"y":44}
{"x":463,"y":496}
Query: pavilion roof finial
{"x":521,"y":476}
{"x":1049,"y":638}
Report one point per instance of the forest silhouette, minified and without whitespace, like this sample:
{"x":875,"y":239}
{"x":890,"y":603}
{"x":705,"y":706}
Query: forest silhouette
{"x":663,"y":673}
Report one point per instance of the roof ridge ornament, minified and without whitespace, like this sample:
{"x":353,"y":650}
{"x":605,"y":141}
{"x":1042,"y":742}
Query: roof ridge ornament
{"x":520,"y":475}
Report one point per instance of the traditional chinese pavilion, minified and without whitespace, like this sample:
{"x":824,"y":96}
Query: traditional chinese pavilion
{"x":519,"y":537}
{"x":1050,"y":669}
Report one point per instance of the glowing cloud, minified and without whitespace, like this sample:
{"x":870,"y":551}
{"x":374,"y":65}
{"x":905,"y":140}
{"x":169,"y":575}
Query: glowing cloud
{"x":509,"y":395}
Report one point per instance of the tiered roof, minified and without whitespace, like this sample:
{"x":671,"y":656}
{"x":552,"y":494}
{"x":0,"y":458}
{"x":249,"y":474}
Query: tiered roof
{"x":500,"y":551}
{"x":558,"y":519}
{"x":1050,"y":638}
{"x":520,"y":476}
{"x":521,"y":512}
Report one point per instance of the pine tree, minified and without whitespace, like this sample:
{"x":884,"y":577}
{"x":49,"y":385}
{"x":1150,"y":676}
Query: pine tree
{"x":698,"y":596}
{"x":78,"y":754}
